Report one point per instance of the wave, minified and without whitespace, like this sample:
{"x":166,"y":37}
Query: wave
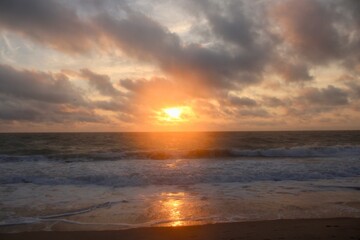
{"x":30,"y":220}
{"x":302,"y":152}
{"x":294,"y":152}
{"x":176,"y":172}
{"x":80,"y":211}
{"x":160,"y":222}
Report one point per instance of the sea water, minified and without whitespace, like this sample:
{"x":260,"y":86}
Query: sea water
{"x":98,"y":181}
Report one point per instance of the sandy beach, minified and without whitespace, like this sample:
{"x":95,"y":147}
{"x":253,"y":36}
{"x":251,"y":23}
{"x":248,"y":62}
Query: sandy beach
{"x":339,"y":228}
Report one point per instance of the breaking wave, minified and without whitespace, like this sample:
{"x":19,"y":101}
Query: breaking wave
{"x":295,"y":152}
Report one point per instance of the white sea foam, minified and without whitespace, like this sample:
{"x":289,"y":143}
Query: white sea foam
{"x":177,"y":172}
{"x":303,"y":152}
{"x":19,"y":221}
{"x":294,"y":152}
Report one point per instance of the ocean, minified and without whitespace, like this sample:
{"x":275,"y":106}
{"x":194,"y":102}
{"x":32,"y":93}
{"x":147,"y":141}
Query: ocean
{"x":101,"y":181}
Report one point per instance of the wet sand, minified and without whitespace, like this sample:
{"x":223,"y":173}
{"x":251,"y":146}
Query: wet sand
{"x":339,"y":228}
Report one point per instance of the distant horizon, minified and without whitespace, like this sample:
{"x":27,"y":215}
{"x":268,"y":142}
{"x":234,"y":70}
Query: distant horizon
{"x":224,"y":131}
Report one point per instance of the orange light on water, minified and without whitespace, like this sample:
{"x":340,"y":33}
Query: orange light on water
{"x":179,"y":209}
{"x":174,"y":205}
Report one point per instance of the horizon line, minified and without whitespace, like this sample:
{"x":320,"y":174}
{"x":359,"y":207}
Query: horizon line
{"x":213,"y":131}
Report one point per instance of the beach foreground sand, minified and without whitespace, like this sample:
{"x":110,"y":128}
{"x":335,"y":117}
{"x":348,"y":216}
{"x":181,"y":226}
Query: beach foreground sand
{"x":339,"y":228}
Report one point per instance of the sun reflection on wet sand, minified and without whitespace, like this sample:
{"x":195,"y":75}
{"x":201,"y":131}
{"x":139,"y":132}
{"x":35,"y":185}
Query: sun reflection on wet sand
{"x":176,"y":208}
{"x":173,"y":205}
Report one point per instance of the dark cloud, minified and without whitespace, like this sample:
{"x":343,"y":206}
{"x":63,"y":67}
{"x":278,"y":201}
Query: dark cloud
{"x":13,"y":109}
{"x":108,"y":105}
{"x":262,"y":113}
{"x":100,"y":82}
{"x":240,"y":24}
{"x":40,"y":86}
{"x":273,"y":102}
{"x":234,"y":27}
{"x":47,"y":22}
{"x":307,"y":26}
{"x":329,"y":96}
{"x":353,"y":85}
{"x":354,"y":7}
{"x":140,"y":37}
{"x":143,"y":38}
{"x":320,"y":31}
{"x":242,"y":101}
{"x":292,"y":72}
{"x":42,"y":97}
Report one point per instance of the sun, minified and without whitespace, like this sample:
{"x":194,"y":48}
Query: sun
{"x":173,"y":113}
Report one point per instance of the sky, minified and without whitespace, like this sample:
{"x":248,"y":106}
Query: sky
{"x":167,"y":65}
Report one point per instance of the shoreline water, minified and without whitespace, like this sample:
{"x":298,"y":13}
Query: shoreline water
{"x":335,"y":228}
{"x":91,"y":182}
{"x":89,"y":208}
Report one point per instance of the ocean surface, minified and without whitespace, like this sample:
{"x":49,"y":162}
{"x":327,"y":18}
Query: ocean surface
{"x":98,"y":181}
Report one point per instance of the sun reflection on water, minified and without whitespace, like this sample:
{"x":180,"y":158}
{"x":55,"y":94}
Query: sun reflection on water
{"x":173,"y":205}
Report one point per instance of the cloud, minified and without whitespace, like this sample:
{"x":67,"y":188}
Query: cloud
{"x":100,"y":82}
{"x":231,"y":24}
{"x":355,"y":89}
{"x":307,"y":26}
{"x":37,"y":96}
{"x":290,"y":72}
{"x":40,"y":86}
{"x":353,"y":84}
{"x":109,"y":105}
{"x":319,"y":31}
{"x":13,"y":109}
{"x":261,"y":113}
{"x":329,"y":96}
{"x":47,"y":22}
{"x":42,"y":97}
{"x":136,"y":34}
{"x":242,"y":101}
{"x":272,"y":102}
{"x":144,"y":39}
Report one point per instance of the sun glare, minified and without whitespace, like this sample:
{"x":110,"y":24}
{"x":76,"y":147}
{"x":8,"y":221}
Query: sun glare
{"x":175,"y":114}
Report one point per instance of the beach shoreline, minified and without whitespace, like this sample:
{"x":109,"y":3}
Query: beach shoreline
{"x":334,"y":228}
